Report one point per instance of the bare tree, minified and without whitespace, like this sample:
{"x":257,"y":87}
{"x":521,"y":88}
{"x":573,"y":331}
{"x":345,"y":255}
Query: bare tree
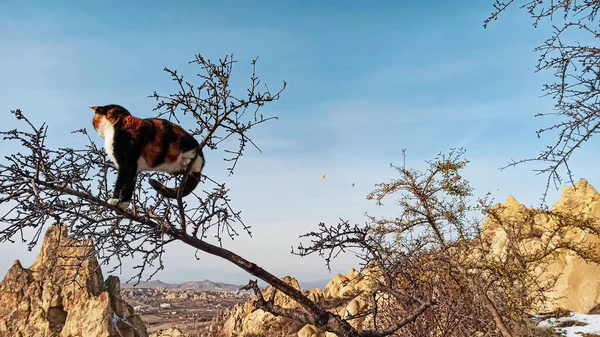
{"x":435,"y":251}
{"x":574,"y":60}
{"x":40,"y":185}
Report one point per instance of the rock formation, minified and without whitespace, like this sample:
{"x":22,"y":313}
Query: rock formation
{"x":243,"y":317}
{"x":577,"y":289}
{"x":170,"y":332}
{"x":342,"y":295}
{"x":578,"y":285}
{"x":64,"y":294}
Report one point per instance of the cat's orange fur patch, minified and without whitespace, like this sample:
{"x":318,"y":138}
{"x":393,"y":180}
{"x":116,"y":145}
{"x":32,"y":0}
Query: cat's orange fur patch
{"x":179,"y":131}
{"x":96,"y":121}
{"x":174,"y":150}
{"x":132,"y":125}
{"x":172,"y":153}
{"x":152,"y":149}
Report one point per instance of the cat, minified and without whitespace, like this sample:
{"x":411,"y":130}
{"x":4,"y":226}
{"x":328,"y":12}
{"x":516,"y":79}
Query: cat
{"x":151,"y":144}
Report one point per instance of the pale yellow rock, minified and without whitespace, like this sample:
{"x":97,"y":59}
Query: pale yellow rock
{"x":355,"y":306}
{"x":512,"y":202}
{"x":316,"y":295}
{"x":578,"y":286}
{"x":51,"y":299}
{"x":352,"y":274}
{"x":335,"y":286}
{"x":579,"y":283}
{"x":343,"y":287}
{"x":347,"y":294}
{"x":243,"y":319}
{"x":312,"y":331}
{"x":170,"y":332}
{"x":308,"y":331}
{"x":343,"y":290}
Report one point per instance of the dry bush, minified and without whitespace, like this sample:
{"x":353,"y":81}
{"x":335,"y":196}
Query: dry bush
{"x":434,"y":251}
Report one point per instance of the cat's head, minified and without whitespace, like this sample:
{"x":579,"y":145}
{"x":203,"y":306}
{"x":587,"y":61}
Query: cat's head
{"x":109,"y":113}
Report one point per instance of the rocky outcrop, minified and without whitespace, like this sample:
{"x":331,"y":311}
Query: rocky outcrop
{"x":577,"y":286}
{"x":170,"y":332}
{"x":243,"y":320}
{"x":63,"y":294}
{"x":342,"y":295}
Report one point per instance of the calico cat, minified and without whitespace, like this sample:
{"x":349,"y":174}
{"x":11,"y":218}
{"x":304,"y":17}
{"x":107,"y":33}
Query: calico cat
{"x":152,"y":144}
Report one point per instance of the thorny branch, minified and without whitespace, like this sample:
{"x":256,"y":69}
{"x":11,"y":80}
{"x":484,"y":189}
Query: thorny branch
{"x":570,"y":53}
{"x":218,"y":114}
{"x":40,"y":185}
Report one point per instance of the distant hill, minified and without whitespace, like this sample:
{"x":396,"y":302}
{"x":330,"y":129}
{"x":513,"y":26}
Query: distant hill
{"x":208,"y":285}
{"x":205,"y":285}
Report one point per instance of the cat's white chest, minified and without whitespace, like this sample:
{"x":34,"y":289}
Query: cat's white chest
{"x":107,"y":131}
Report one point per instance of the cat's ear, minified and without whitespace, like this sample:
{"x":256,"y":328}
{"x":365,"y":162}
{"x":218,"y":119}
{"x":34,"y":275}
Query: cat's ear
{"x":98,"y":109}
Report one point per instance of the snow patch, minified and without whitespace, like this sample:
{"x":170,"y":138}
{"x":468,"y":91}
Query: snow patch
{"x":573,"y":325}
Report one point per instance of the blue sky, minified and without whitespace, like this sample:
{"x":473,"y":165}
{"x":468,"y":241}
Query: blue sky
{"x":365,"y":79}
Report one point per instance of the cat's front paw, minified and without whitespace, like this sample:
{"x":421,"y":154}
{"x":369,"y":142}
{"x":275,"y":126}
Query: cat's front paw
{"x":115,"y":202}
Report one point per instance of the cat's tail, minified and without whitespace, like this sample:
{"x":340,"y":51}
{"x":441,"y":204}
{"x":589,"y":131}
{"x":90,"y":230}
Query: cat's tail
{"x":190,"y":184}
